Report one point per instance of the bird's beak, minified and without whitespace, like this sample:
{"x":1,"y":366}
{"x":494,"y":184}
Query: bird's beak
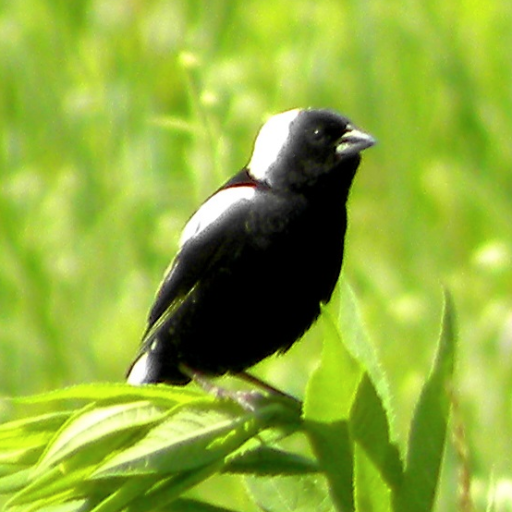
{"x":353,"y":141}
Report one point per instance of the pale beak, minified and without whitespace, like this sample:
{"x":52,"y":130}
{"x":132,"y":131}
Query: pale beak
{"x":353,"y":141}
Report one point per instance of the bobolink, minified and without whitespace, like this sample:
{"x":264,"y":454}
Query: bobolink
{"x":259,"y":256}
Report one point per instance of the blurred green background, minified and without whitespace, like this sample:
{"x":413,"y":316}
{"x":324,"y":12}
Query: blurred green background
{"x":118,"y":118}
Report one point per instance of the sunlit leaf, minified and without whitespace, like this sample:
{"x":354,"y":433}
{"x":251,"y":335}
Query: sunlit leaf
{"x":44,"y":422}
{"x":188,"y":439}
{"x":429,"y":425}
{"x":332,"y":385}
{"x":370,"y":428}
{"x":97,"y":423}
{"x":333,"y":448}
{"x":266,"y":461}
{"x":291,"y":494}
{"x":16,"y":480}
{"x":357,"y":342}
{"x":371,"y":492}
{"x":116,"y":392}
{"x":169,"y":490}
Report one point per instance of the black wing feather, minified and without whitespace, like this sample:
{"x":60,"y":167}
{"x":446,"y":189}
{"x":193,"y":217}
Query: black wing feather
{"x":215,"y":245}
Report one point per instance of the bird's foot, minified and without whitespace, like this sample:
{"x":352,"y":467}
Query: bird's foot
{"x":248,"y":400}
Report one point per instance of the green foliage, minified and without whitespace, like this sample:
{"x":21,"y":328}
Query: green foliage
{"x":428,"y":429}
{"x":141,"y":449}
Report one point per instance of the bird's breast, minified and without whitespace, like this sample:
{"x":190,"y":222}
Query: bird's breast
{"x":297,"y":244}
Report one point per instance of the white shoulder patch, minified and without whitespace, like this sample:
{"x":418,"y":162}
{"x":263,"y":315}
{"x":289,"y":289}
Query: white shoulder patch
{"x":271,"y":139}
{"x":211,"y":210}
{"x":139,"y":371}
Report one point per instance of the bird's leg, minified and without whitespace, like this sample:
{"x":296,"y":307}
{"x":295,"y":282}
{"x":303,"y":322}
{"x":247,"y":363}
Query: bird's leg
{"x":246,"y":399}
{"x":256,"y":381}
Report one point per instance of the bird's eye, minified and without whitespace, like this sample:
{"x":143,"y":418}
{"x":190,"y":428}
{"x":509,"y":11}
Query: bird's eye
{"x":318,"y":136}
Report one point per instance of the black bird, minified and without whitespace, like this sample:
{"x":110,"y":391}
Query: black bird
{"x":259,"y":256}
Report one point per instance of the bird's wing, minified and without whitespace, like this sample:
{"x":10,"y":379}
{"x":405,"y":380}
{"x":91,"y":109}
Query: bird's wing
{"x":209,"y":237}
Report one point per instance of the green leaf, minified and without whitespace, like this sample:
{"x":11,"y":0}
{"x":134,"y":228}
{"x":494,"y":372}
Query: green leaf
{"x":54,"y":506}
{"x":42,"y":423}
{"x":100,"y":453}
{"x":291,"y":494}
{"x":372,"y":494}
{"x":332,"y":385}
{"x":9,"y":469}
{"x":125,"y":494}
{"x":117,"y":392}
{"x":152,"y":492}
{"x":358,"y":343}
{"x":88,"y":438}
{"x":333,"y":447}
{"x":62,"y":480}
{"x":429,"y":425}
{"x":191,"y":505}
{"x":167,"y":491}
{"x":96,"y":423}
{"x":267,"y":461}
{"x":190,"y":438}
{"x":15,"y":481}
{"x":27,"y":449}
{"x":23,"y":441}
{"x":370,"y":428}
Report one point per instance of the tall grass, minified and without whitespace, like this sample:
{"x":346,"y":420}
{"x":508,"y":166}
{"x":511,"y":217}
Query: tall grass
{"x":118,"y":118}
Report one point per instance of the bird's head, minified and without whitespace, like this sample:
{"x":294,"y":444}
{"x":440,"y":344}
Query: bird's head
{"x":296,"y":148}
